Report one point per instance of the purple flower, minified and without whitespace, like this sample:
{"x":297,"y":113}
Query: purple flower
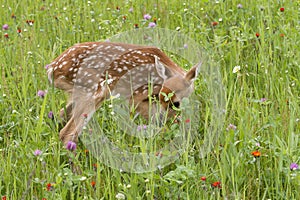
{"x":71,"y":146}
{"x":231,"y":127}
{"x":37,"y":152}
{"x":47,"y":66}
{"x":239,"y":6}
{"x":294,"y":166}
{"x":130,"y":10}
{"x":263,"y":99}
{"x":151,"y":25}
{"x":185,"y":46}
{"x":147,"y":16}
{"x":41,"y":93}
{"x":50,"y":115}
{"x":142,"y":127}
{"x":5,"y":27}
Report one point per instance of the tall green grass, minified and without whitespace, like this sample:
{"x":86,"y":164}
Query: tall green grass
{"x":269,"y":69}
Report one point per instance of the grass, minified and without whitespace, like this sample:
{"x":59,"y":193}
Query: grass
{"x":262,"y":101}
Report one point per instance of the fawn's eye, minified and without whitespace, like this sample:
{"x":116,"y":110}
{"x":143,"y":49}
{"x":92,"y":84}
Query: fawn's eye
{"x":176,"y":104}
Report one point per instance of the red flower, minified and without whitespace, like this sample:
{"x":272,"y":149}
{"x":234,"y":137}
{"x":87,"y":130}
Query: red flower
{"x":95,"y":166}
{"x":281,"y":9}
{"x":216,"y":184}
{"x":19,"y":30}
{"x":256,"y":153}
{"x":257,"y":34}
{"x":187,"y":121}
{"x":85,"y":115}
{"x":93,"y":183}
{"x":44,"y":199}
{"x":203,"y":178}
{"x":49,"y":187}
{"x":124,"y":18}
{"x":281,"y":35}
{"x":6,"y":35}
{"x":3,"y":197}
{"x":214,"y":23}
{"x":136,"y":26}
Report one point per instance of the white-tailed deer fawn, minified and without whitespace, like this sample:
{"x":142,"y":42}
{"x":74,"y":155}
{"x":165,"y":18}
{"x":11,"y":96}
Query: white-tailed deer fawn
{"x":94,"y":71}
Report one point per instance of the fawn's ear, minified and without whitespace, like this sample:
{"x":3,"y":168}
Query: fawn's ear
{"x":193,"y":72}
{"x":161,"y":69}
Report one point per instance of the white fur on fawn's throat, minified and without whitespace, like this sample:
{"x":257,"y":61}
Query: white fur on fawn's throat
{"x":96,"y":70}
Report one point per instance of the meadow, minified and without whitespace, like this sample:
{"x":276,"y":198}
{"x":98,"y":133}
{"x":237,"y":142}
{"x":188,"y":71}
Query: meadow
{"x":255,"y":45}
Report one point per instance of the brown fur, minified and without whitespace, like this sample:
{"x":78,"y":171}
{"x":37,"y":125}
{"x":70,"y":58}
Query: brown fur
{"x":63,"y":70}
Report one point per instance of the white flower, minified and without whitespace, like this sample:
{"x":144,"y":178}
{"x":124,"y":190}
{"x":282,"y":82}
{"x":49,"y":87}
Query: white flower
{"x":236,"y":69}
{"x":120,"y":196}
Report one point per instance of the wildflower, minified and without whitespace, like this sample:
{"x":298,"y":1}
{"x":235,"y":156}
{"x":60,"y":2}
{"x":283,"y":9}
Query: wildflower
{"x":256,"y":154}
{"x":158,"y":154}
{"x":30,"y":22}
{"x":141,"y":127}
{"x":44,"y":199}
{"x":6,"y":35}
{"x":120,"y":196}
{"x":86,"y":151}
{"x":203,"y":178}
{"x":155,"y":20}
{"x":294,"y":166}
{"x":71,"y":146}
{"x":49,"y":187}
{"x":124,"y":18}
{"x":263,"y":99}
{"x":37,"y":152}
{"x":3,"y":198}
{"x":281,"y":35}
{"x":231,"y":127}
{"x":19,"y":30}
{"x":236,"y":69}
{"x":136,"y":26}
{"x":13,"y":16}
{"x":187,"y":121}
{"x":93,"y":183}
{"x":214,"y":23}
{"x":281,"y":9}
{"x":95,"y":166}
{"x":220,"y":19}
{"x":5,"y":27}
{"x":118,"y":8}
{"x":257,"y":35}
{"x":151,"y":25}
{"x":147,"y":16}
{"x":185,"y":46}
{"x":130,"y":10}
{"x":239,"y":6}
{"x":257,"y":144}
{"x":85,"y":115}
{"x":47,"y":66}
{"x":50,"y":115}
{"x":41,"y":93}
{"x":216,"y":184}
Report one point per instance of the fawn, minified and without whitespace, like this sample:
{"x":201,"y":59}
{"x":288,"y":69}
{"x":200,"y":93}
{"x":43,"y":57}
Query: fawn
{"x":95,"y":71}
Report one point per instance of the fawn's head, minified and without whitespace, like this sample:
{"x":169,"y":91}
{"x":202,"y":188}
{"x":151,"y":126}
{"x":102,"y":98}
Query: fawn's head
{"x":175,"y":86}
